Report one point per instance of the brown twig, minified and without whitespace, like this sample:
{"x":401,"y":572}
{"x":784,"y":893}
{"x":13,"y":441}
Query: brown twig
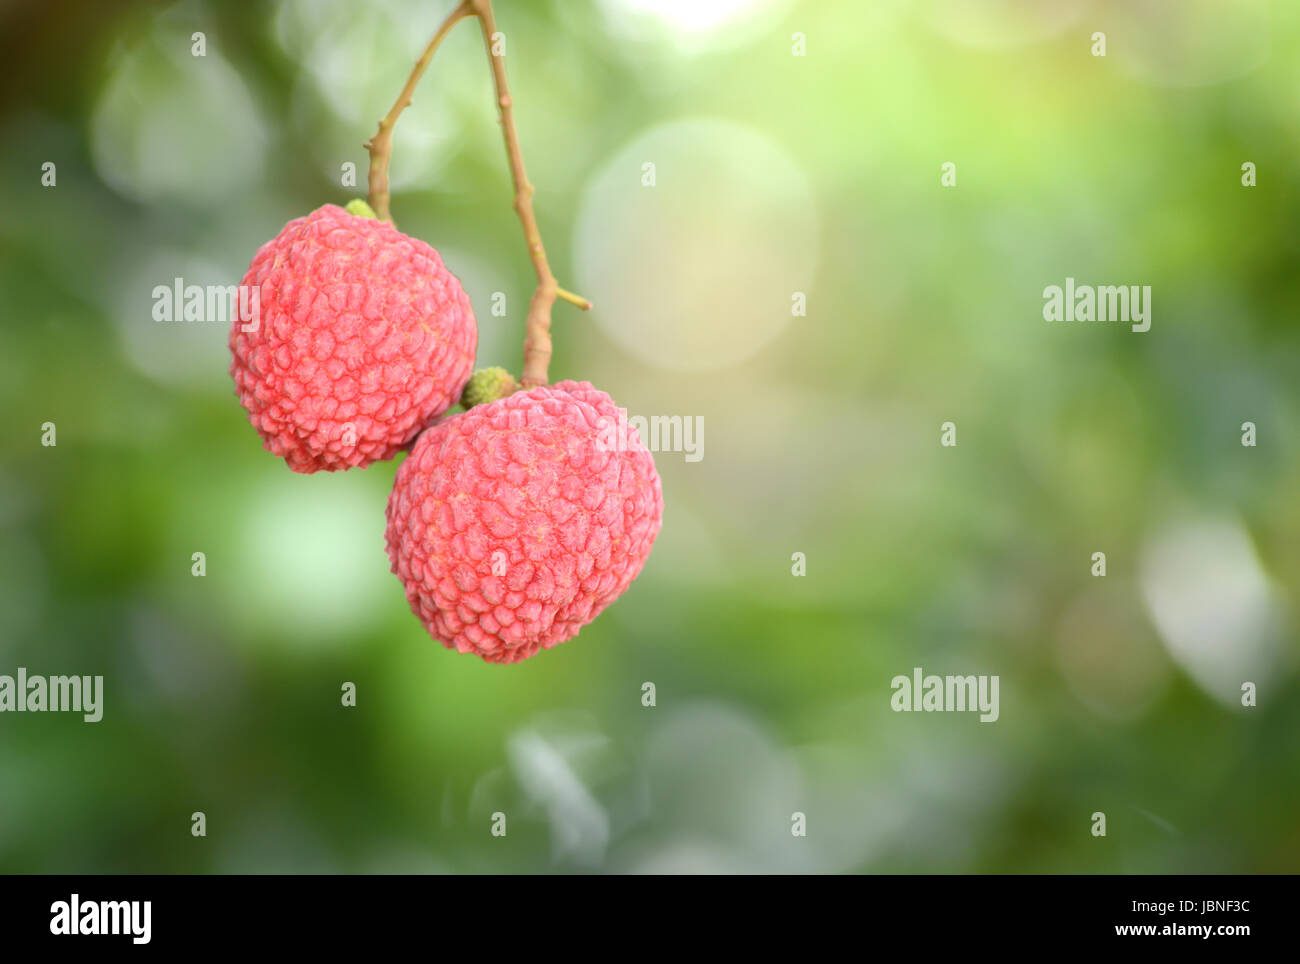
{"x":537,"y":330}
{"x":380,"y":147}
{"x":537,"y":327}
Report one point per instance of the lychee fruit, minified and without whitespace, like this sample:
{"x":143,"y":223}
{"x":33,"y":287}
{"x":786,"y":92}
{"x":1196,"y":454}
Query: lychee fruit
{"x":359,"y":338}
{"x":514,"y":524}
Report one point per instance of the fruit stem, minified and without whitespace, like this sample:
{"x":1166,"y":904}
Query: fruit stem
{"x":380,"y":147}
{"x":537,"y":328}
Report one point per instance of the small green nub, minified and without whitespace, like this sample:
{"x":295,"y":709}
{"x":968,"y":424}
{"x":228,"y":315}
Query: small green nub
{"x":487,"y":385}
{"x":360,"y":208}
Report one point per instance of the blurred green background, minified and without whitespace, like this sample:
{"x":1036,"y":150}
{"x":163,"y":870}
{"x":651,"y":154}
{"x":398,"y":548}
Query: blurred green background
{"x":773,"y":174}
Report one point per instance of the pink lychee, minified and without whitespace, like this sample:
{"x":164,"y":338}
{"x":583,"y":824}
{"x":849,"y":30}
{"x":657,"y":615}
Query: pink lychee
{"x":515,"y":524}
{"x":360,"y":337}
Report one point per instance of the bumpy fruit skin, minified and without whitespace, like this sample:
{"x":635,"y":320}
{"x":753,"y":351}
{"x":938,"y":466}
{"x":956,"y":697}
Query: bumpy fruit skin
{"x":362,"y":338}
{"x":515,"y":524}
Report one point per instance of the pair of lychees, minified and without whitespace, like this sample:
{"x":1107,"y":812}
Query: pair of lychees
{"x":512,"y":524}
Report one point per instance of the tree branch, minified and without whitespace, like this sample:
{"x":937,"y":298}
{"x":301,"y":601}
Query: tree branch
{"x":537,"y":327}
{"x":380,"y":146}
